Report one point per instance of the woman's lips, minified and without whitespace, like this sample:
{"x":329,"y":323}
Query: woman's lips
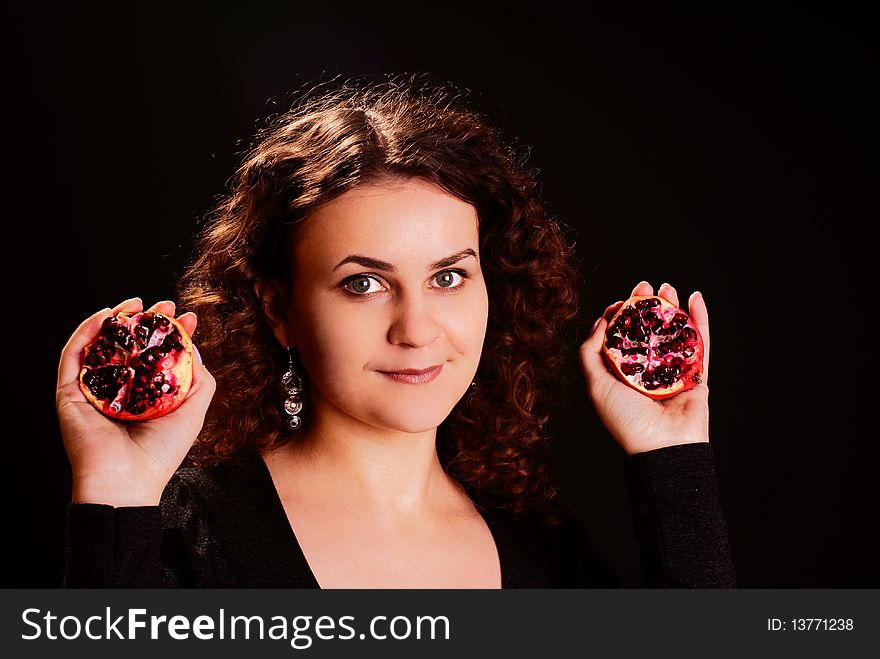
{"x":414,"y":376}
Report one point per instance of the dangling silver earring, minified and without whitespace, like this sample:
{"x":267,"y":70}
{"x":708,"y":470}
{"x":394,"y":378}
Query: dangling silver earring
{"x":293,"y":387}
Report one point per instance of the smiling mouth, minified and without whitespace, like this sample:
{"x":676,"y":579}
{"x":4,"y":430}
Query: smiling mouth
{"x":413,"y":375}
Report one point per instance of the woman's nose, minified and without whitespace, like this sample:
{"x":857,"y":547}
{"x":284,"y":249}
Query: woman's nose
{"x":414,"y":323}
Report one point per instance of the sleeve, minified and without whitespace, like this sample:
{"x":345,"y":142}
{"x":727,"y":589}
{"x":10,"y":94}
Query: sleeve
{"x":677,"y":518}
{"x":111,"y":547}
{"x":139,"y":546}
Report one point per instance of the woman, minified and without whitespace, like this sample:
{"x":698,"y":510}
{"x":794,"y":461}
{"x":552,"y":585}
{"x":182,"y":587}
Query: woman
{"x":385,"y":247}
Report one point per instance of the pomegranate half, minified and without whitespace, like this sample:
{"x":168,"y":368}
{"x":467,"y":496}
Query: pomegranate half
{"x":654,"y":347}
{"x":139,"y":367}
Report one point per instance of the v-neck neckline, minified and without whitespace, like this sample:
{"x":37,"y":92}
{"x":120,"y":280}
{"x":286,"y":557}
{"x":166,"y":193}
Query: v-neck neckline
{"x":299,"y":562}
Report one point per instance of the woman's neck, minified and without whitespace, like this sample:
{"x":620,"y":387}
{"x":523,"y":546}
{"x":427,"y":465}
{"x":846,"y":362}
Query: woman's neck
{"x":380,"y":471}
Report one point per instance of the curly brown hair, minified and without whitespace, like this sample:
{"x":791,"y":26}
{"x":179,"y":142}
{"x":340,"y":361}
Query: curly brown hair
{"x":342,"y":134}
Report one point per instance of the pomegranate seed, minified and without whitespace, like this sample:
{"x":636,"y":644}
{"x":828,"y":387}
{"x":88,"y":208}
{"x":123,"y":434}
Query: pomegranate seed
{"x":172,"y":342}
{"x":663,"y":374}
{"x":151,"y":356}
{"x":100,"y":354}
{"x":105,"y":382}
{"x":651,"y":320}
{"x":632,"y":368}
{"x":124,"y":339}
{"x":136,"y":407}
{"x":141,"y":336}
{"x":109,"y":326}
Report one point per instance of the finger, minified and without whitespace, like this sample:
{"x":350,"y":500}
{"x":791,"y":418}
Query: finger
{"x":612,"y":309}
{"x":700,"y":315}
{"x":668,"y":292}
{"x":189,"y":322}
{"x":166,"y":307}
{"x":130,"y":306}
{"x":69,"y":365}
{"x":643,"y":288}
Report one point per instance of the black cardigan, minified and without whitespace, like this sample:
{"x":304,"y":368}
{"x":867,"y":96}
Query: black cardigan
{"x":225,"y":527}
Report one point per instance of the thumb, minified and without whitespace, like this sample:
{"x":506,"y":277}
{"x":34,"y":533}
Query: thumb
{"x":592,"y":362}
{"x":198,"y":399}
{"x":203,"y":385}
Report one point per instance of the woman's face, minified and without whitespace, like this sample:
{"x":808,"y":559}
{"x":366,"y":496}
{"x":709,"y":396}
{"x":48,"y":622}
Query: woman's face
{"x":386,"y":284}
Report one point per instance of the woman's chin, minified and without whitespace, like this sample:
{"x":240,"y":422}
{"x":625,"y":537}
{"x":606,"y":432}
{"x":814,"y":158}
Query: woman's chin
{"x":413,"y":419}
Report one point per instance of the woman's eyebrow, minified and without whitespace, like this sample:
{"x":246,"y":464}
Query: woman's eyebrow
{"x":453,"y":258}
{"x":376,"y":264}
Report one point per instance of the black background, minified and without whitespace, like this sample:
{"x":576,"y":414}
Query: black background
{"x":726,"y":150}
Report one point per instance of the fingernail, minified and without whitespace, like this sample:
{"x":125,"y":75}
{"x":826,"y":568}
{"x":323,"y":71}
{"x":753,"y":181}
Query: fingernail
{"x":198,"y":354}
{"x":595,"y":325}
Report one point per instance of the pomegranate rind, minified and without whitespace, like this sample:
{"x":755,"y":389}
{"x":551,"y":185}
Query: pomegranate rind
{"x":691,"y":371}
{"x":179,"y":375}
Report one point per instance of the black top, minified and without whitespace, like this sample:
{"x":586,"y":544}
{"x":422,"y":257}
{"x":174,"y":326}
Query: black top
{"x":225,"y":527}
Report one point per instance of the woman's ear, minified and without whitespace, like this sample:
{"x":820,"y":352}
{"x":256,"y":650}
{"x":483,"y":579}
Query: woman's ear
{"x":274,"y":301}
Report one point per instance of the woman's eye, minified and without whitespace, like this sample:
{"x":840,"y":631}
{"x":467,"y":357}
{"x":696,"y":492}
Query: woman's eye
{"x":449,"y":279}
{"x":363,"y":285}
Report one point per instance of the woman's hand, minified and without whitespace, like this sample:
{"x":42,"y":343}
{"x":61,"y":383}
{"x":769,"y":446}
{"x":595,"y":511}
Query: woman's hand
{"x":637,"y":422}
{"x":119,"y":463}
